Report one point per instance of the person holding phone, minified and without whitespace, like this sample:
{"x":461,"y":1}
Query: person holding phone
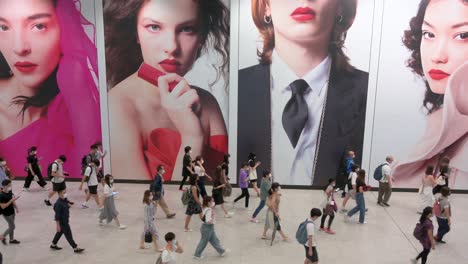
{"x":9,"y":208}
{"x":151,"y":124}
{"x":328,"y":205}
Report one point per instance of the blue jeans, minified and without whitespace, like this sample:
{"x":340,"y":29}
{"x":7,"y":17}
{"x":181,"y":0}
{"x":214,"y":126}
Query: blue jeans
{"x":360,"y":206}
{"x":443,"y":229}
{"x":259,"y":208}
{"x":208,"y":235}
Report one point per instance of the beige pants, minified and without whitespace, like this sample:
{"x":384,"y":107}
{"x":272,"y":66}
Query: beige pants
{"x":162,"y":203}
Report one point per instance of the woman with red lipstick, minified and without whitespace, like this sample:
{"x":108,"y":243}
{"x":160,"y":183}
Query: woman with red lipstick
{"x":303,"y":106}
{"x":48,"y":93}
{"x":439,"y":46}
{"x":150,"y":124}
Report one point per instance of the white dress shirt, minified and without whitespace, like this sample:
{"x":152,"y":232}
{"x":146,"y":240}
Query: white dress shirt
{"x":294,"y":166}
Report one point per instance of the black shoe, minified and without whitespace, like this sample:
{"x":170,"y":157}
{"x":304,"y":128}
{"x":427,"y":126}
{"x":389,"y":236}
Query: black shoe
{"x":78,"y":250}
{"x":71,"y":203}
{"x":14,"y":241}
{"x":379,"y":203}
{"x":441,"y":241}
{"x":386,"y":204}
{"x":47,"y":202}
{"x":55,"y":247}
{"x":4,"y":242}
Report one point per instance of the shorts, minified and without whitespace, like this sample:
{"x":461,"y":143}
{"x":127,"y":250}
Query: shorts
{"x":314,"y":257}
{"x":58,"y":186}
{"x":92,"y":189}
{"x":254,"y":180}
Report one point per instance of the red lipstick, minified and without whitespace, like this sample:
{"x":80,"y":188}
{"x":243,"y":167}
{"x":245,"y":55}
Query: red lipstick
{"x":438,"y":74}
{"x":25,"y":66}
{"x":170,"y":66}
{"x":303,"y":14}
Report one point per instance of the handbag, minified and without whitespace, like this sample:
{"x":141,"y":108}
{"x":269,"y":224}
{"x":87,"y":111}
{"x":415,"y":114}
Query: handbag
{"x":227,"y":190}
{"x":148,"y":237}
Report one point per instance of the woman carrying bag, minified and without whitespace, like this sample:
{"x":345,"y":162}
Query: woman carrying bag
{"x":329,"y":207}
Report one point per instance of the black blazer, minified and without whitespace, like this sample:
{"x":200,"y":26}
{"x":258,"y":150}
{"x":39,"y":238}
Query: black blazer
{"x":343,"y":124}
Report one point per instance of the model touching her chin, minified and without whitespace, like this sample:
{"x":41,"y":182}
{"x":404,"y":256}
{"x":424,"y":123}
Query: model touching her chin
{"x":303,"y":106}
{"x":151,"y":124}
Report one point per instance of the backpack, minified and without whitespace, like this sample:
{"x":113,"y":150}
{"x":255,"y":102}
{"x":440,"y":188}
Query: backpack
{"x":419,"y":232}
{"x":301,"y":233}
{"x":378,"y":173}
{"x":84,"y":161}
{"x":49,"y":170}
{"x":186,"y":196}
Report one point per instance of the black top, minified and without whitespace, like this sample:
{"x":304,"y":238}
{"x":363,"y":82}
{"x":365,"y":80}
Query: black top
{"x":62,"y":211}
{"x":185,"y":164}
{"x":225,"y":167}
{"x":157,"y":187}
{"x":32,"y":159}
{"x":5,"y":198}
{"x":343,"y":124}
{"x":359,"y":183}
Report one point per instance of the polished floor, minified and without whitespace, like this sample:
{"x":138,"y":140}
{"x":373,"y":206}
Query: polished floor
{"x":386,"y":239}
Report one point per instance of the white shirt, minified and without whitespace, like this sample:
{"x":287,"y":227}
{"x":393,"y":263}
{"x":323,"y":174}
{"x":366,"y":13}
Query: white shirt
{"x":311,"y":232}
{"x":209,"y":217}
{"x":199,"y":171}
{"x":386,"y":173}
{"x":168,"y":257}
{"x":295,"y":166}
{"x":58,"y":168}
{"x":108,"y":191}
{"x":91,"y":173}
{"x":353,"y":176}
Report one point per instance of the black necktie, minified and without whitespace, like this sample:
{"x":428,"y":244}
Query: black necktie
{"x":296,"y":112}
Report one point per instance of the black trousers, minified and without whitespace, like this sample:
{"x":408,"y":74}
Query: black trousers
{"x":184,"y":179}
{"x":65,"y":230}
{"x":245,"y":193}
{"x":423,"y":255}
{"x":30,"y":178}
{"x":201,"y":185}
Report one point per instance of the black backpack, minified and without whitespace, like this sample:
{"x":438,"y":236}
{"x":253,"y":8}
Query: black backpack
{"x":84,"y":161}
{"x":49,"y":170}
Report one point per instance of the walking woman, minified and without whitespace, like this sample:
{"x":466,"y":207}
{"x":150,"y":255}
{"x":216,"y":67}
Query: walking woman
{"x":202,"y":176}
{"x":361,"y":204}
{"x":219,"y":183}
{"x":427,"y":238}
{"x":109,"y":212}
{"x":148,"y":218}
{"x":428,"y":182}
{"x":273,"y":218}
{"x":208,"y":234}
{"x":34,"y":170}
{"x":253,"y":174}
{"x":194,"y":204}
{"x":244,"y":184}
{"x":329,"y":206}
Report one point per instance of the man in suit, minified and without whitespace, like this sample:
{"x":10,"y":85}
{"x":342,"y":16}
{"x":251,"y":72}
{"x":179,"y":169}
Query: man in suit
{"x":303,"y":106}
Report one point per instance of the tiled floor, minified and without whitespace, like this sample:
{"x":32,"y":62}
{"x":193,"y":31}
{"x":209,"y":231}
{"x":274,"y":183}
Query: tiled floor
{"x":387,"y":238}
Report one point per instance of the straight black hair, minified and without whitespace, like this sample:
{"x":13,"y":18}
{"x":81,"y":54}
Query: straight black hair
{"x":427,"y":211}
{"x":315,"y":212}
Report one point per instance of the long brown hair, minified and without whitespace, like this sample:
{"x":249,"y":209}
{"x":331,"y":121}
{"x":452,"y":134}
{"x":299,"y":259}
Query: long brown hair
{"x":123,"y":54}
{"x":146,"y":196}
{"x":338,"y":36}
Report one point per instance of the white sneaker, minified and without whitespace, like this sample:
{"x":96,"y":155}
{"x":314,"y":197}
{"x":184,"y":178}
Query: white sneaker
{"x":199,"y":258}
{"x":122,"y":226}
{"x":188,"y":230}
{"x":365,"y":222}
{"x":226,"y":251}
{"x":84,"y":206}
{"x":346,"y":218}
{"x":227,"y":216}
{"x":253,"y":220}
{"x":25,"y":189}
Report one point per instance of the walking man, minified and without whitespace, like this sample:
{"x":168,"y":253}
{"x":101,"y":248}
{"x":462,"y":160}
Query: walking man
{"x":158,"y":192}
{"x":62,"y":220}
{"x":385,"y":183}
{"x":58,"y":177}
{"x":8,"y":205}
{"x":90,"y":176}
{"x":187,"y":168}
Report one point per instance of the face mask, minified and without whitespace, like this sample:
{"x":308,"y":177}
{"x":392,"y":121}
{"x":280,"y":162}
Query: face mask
{"x":212,"y":204}
{"x":65,"y":195}
{"x":190,"y":152}
{"x":151,"y":198}
{"x":202,"y":161}
{"x":3,"y":163}
{"x":9,"y":189}
{"x":162,"y":171}
{"x":111,"y":181}
{"x":174,"y":243}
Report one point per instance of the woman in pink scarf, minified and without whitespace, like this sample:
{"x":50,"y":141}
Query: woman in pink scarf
{"x":48,"y":94}
{"x":439,"y":45}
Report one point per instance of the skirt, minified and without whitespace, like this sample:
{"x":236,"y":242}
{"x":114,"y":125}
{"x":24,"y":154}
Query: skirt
{"x":218,"y":196}
{"x":109,"y":212}
{"x":193,"y":208}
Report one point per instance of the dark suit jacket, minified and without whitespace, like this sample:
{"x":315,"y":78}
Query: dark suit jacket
{"x":343,"y":124}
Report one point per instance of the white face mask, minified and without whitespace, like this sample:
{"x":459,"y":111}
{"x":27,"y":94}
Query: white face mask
{"x":3,"y":163}
{"x":65,"y":195}
{"x":9,"y":189}
{"x":111,"y":181}
{"x":151,"y":198}
{"x":162,"y":171}
{"x":212,"y":204}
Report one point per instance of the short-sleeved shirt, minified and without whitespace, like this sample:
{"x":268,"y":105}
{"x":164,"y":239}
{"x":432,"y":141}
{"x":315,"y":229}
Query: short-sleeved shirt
{"x":169,"y":257}
{"x":243,"y":175}
{"x":185,"y":164}
{"x":208,"y":215}
{"x":5,"y":198}
{"x":444,"y":203}
{"x":225,"y":167}
{"x":32,"y":159}
{"x":311,"y":232}
{"x":108,"y":190}
{"x":198,"y":171}
{"x":426,"y":241}
{"x":3,"y":175}
{"x":353,"y":176}
{"x":386,"y":173}
{"x":91,"y":173}
{"x":57,"y":167}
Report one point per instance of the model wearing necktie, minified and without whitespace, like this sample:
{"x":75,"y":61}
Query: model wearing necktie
{"x":295,"y":112}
